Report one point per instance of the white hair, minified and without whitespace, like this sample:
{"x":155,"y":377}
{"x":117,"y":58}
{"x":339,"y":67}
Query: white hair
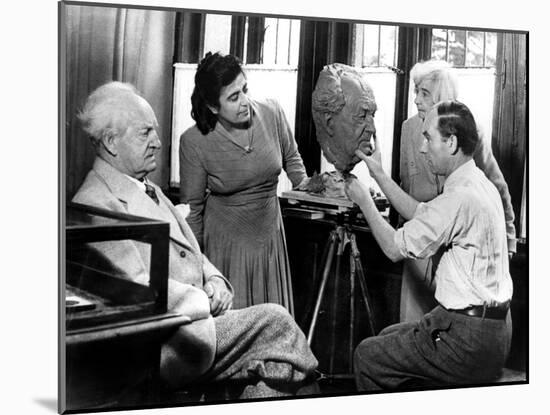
{"x":441,"y":75}
{"x":105,"y":109}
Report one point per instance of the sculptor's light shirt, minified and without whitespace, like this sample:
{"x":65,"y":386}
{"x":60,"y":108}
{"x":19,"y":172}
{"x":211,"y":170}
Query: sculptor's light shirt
{"x":464,"y":229}
{"x":418,"y":180}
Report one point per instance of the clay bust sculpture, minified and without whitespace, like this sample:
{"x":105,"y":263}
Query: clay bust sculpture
{"x":343,"y":108}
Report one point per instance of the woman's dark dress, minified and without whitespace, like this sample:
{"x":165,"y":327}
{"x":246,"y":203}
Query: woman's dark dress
{"x":234,"y":209}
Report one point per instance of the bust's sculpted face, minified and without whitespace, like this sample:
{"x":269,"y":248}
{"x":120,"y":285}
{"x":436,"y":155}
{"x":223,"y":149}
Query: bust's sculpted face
{"x":343,"y":111}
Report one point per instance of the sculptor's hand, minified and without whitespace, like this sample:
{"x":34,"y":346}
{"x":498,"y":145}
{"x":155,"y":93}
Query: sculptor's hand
{"x":219,"y":296}
{"x":356,"y":191}
{"x":374,"y":161}
{"x":303,"y":184}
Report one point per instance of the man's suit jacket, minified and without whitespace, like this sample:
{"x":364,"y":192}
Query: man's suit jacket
{"x":189,"y":269}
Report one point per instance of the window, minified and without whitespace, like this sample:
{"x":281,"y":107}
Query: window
{"x":269,"y":51}
{"x":281,"y":42}
{"x":217,"y":33}
{"x":374,"y":46}
{"x":374,"y":54}
{"x":465,"y":48}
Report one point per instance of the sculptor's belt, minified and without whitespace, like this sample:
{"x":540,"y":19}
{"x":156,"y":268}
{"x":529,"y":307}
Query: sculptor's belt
{"x":483,"y":311}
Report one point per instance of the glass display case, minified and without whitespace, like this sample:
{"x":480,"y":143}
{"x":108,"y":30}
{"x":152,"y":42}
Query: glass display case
{"x":99,"y":289}
{"x":114,"y":319}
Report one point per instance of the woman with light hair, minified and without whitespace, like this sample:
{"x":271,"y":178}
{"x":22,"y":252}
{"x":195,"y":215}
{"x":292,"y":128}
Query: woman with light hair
{"x":435,"y":81}
{"x":443,"y":79}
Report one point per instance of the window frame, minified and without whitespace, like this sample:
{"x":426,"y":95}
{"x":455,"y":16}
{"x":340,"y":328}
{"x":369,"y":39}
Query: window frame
{"x":326,"y":41}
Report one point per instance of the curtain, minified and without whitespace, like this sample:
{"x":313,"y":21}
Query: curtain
{"x":100,"y":44}
{"x":509,"y":139}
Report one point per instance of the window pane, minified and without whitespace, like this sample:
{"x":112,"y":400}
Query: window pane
{"x":294,"y":43}
{"x":245,"y":46}
{"x":270,"y":41}
{"x":439,"y":44}
{"x":370,"y":45}
{"x":474,"y":52}
{"x":490,"y":49}
{"x":283,"y":41}
{"x":217,"y":33}
{"x":387,"y":45}
{"x":457,"y":44}
{"x":357,"y":42}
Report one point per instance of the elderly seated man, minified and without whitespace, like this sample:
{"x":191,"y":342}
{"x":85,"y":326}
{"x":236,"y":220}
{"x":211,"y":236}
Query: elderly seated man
{"x":259,"y":346}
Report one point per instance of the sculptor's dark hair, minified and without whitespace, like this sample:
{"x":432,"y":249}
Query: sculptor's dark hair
{"x":456,"y":119}
{"x":213,"y":73}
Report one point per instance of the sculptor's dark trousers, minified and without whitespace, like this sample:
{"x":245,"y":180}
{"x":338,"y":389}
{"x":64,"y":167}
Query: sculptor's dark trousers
{"x":443,"y":348}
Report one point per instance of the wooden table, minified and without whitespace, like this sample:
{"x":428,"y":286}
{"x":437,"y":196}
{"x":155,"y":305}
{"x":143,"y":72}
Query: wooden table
{"x":117,"y":365}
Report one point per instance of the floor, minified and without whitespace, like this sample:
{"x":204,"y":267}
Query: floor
{"x":337,"y":387}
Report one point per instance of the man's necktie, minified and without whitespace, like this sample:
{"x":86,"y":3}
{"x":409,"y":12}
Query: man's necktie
{"x":150,"y":190}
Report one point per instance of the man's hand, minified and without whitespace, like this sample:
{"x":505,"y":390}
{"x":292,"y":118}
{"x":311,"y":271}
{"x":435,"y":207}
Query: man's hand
{"x":374,"y":160}
{"x":356,"y":191}
{"x":221,"y":299}
{"x":303,"y":184}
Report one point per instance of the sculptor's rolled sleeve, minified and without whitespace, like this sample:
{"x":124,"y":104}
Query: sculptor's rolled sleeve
{"x":428,"y":230}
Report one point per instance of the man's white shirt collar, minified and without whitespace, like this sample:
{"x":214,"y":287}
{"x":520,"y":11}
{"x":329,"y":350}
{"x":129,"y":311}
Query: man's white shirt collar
{"x":140,"y":184}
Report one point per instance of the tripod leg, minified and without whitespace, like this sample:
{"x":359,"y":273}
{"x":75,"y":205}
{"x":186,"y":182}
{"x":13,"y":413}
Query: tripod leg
{"x":362,"y":282}
{"x":339,"y":253}
{"x":326,"y":270}
{"x":351,"y":310}
{"x":364,"y":291}
{"x":315,"y":282}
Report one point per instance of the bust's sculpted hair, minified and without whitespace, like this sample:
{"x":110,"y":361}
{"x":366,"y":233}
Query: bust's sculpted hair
{"x":327,"y":96}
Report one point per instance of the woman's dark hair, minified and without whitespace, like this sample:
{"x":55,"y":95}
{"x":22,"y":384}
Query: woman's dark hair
{"x":213,"y":73}
{"x":456,"y":119}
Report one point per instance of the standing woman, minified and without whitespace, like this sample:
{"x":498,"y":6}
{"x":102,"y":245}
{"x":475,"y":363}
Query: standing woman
{"x":230,"y":162}
{"x":435,"y":81}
